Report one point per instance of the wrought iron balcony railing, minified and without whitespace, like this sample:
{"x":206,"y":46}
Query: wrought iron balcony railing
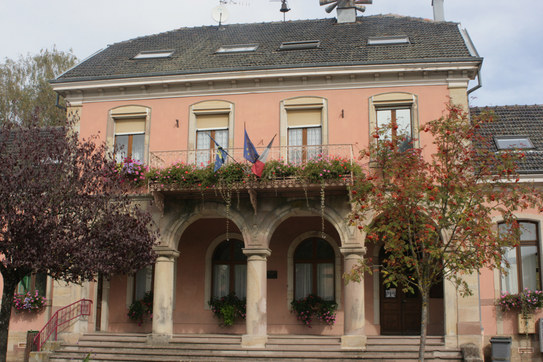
{"x":293,"y":154}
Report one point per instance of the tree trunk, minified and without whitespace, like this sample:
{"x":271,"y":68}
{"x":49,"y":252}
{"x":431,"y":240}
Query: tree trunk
{"x":10,"y":283}
{"x":424,"y":322}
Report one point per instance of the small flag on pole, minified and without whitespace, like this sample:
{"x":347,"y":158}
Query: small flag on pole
{"x":258,"y":166}
{"x":220,"y":159}
{"x":249,"y":150}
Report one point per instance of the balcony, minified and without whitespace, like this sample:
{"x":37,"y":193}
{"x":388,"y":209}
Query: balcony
{"x":299,"y":156}
{"x":296,"y":155}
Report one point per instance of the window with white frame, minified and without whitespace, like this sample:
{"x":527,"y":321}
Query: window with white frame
{"x":130,"y":139}
{"x":523,"y":260}
{"x":314,"y":269}
{"x":229,"y":269}
{"x":211,"y":132}
{"x":399,"y":110}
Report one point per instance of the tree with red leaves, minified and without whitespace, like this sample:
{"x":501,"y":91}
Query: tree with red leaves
{"x":63,"y":213}
{"x":433,"y":215}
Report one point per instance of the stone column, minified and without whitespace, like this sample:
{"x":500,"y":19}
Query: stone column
{"x":354,"y":326}
{"x":163,"y":296}
{"x":256,"y":319}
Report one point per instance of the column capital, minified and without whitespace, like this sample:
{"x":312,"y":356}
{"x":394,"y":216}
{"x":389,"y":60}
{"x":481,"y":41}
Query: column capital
{"x":261,"y":253}
{"x":353,"y":251}
{"x":166,"y":252}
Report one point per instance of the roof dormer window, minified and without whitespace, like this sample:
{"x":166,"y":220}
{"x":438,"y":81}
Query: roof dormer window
{"x":388,"y":40}
{"x":297,"y":45}
{"x":513,"y":142}
{"x":154,"y":54}
{"x":241,"y":48}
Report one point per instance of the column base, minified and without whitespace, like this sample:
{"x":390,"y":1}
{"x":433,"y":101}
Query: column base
{"x":158,"y":339}
{"x":251,"y":341}
{"x":354,"y":342}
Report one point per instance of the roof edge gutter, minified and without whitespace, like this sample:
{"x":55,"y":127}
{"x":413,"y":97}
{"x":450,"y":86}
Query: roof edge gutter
{"x":479,"y":83}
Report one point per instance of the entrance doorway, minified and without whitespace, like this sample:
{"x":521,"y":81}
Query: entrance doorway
{"x":400,"y":312}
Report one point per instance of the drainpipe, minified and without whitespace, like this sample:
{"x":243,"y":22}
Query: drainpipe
{"x":57,"y":104}
{"x":479,"y":83}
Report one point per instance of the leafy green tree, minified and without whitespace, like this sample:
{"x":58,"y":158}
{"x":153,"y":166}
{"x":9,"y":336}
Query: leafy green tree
{"x":25,"y":92}
{"x":63,"y":213}
{"x":432,"y":212}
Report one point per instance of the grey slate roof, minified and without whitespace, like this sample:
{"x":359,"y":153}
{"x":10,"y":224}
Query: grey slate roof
{"x":341,"y":44}
{"x":517,"y":121}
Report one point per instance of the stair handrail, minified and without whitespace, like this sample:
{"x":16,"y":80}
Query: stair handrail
{"x":77,"y":309}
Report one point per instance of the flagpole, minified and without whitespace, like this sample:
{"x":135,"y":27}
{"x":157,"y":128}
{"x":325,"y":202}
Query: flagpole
{"x":220,"y":148}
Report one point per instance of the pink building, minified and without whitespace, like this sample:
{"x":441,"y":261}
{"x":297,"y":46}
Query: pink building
{"x":321,"y":86}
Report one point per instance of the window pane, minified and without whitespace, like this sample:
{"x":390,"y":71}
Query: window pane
{"x":324,"y":250}
{"x":240,"y":281}
{"x":305,"y":250}
{"x":137,"y":147}
{"x":41,"y":284}
{"x":528,"y":231}
{"x":325,"y":280}
{"x":121,"y":147}
{"x":238,"y":252}
{"x":384,"y":117}
{"x":221,"y":280}
{"x":530,"y":267}
{"x":304,"y":280}
{"x":295,"y":138}
{"x":222,"y":252}
{"x":144,"y":280}
{"x":314,"y":138}
{"x":510,"y":282}
{"x":403,"y":120}
{"x":222,"y":138}
{"x":24,"y":285}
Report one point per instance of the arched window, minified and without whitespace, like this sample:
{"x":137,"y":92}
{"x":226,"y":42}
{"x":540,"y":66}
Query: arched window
{"x":314,"y":269}
{"x":229,"y":269}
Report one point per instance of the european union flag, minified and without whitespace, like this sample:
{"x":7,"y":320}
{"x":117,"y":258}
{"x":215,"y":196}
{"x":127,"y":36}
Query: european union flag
{"x":249,"y":150}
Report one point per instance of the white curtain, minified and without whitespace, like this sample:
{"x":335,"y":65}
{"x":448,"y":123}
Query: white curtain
{"x":202,"y":143}
{"x":138,"y":146}
{"x":325,"y":280}
{"x":121,"y":146}
{"x":221,"y":280}
{"x":314,"y":136}
{"x":304,"y":280}
{"x":240,"y":281}
{"x":510,"y":281}
{"x":144,"y":279}
{"x":295,"y":138}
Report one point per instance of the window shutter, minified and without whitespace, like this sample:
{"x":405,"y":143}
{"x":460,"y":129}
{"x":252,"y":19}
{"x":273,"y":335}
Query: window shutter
{"x":130,"y":126}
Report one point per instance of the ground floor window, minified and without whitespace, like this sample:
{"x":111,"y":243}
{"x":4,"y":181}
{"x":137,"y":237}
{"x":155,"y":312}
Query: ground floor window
{"x":523,"y":261}
{"x":143,"y":282}
{"x":32,"y":283}
{"x":314,"y":269}
{"x":229,"y":269}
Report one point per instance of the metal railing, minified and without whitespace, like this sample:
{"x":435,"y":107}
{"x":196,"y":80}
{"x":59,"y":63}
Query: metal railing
{"x":64,"y":315}
{"x":292,"y":154}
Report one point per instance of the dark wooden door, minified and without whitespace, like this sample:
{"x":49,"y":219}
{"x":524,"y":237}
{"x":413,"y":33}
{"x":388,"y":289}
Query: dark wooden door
{"x":400,"y":312}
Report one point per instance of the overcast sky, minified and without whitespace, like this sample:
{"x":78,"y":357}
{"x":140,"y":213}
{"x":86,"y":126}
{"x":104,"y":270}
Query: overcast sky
{"x":508,"y":34}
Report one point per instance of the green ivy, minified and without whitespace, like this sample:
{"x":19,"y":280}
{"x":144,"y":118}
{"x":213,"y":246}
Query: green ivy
{"x":228,"y":308}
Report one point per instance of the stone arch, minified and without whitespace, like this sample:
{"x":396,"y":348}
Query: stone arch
{"x":176,"y":227}
{"x":299,"y":207}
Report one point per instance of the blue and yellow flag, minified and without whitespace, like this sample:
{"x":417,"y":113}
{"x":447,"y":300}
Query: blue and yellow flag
{"x":220,"y":158}
{"x":249,"y":150}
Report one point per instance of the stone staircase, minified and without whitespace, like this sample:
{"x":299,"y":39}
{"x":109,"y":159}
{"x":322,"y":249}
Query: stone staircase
{"x":109,"y":347}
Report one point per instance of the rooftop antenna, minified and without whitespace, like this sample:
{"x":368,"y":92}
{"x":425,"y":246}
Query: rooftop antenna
{"x":284,"y":7}
{"x":220,"y":14}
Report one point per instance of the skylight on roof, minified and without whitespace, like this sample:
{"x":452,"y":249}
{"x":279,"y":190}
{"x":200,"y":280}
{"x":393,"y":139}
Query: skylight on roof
{"x":297,"y":45}
{"x":388,"y":40}
{"x":512,"y":142}
{"x":154,"y":54}
{"x":241,"y":48}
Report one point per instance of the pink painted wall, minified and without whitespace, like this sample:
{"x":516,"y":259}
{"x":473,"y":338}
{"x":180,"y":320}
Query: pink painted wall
{"x":261,"y":114}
